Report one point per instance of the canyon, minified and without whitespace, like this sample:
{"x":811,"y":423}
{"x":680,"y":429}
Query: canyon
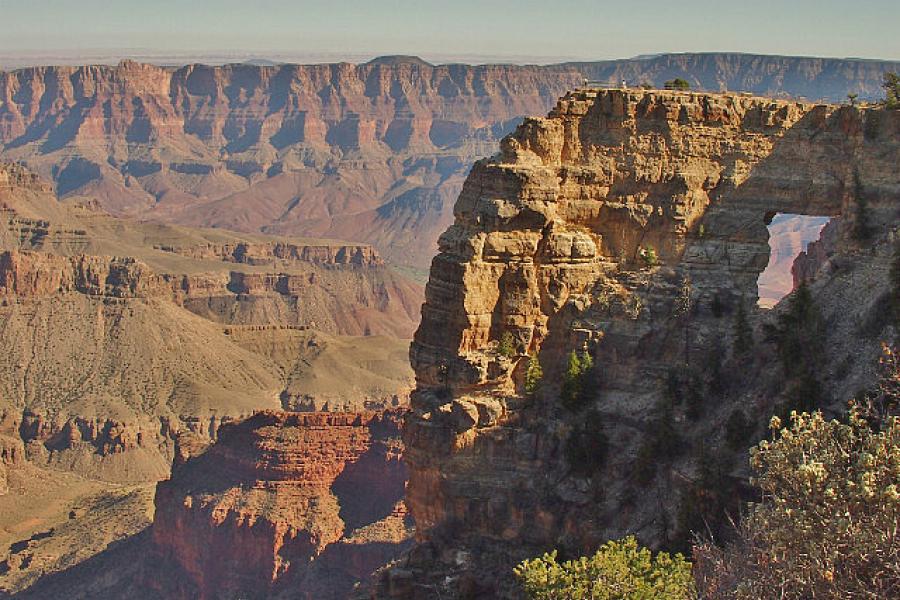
{"x":122,"y":337}
{"x":374,"y":153}
{"x":161,"y":324}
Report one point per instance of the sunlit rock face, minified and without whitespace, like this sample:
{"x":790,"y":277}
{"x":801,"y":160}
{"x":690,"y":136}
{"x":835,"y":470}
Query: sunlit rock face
{"x":302,"y":503}
{"x":630,"y":224}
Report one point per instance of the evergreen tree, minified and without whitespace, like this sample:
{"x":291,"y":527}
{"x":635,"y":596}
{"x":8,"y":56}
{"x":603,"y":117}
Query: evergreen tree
{"x":507,"y":346}
{"x":574,"y":392}
{"x":895,"y":285}
{"x":891,"y":87}
{"x":862,"y":226}
{"x":533,"y":375}
{"x":743,"y":334}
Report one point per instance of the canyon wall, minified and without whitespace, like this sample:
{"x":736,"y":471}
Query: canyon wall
{"x":374,"y":152}
{"x":304,"y":505}
{"x":630,"y":226}
{"x":120,"y":335}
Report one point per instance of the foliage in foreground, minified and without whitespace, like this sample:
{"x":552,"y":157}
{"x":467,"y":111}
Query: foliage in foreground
{"x":620,"y":570}
{"x":827,"y":525}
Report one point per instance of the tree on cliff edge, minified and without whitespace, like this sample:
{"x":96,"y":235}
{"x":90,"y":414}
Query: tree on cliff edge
{"x":891,"y":85}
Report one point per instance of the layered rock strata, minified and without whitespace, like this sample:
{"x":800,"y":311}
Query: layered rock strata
{"x":626,"y":224}
{"x":304,"y":504}
{"x":373,"y":152}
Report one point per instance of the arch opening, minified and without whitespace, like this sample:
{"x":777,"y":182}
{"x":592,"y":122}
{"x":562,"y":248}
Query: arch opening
{"x":789,"y":235}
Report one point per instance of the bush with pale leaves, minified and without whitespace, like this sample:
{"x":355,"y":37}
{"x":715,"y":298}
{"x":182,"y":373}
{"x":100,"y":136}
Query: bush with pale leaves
{"x":828,"y":525}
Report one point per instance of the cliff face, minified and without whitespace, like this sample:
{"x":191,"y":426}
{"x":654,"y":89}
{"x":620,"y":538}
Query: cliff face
{"x":307,"y":504}
{"x":120,"y":335}
{"x":374,"y":152}
{"x":552,"y":246}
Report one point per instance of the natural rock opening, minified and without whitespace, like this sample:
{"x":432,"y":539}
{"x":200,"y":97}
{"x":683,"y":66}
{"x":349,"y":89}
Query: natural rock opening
{"x":789,"y":237}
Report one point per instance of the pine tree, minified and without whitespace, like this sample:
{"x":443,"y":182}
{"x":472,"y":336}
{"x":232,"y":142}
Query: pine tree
{"x":533,"y":375}
{"x":507,"y":346}
{"x":862,"y":229}
{"x":895,"y":285}
{"x":743,"y":334}
{"x":571,"y":387}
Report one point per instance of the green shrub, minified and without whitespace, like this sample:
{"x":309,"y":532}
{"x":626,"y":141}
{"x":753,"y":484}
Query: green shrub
{"x":507,"y":345}
{"x":575,"y":392}
{"x":677,"y":84}
{"x":694,"y":394}
{"x":648,"y":255}
{"x":895,"y":285}
{"x":620,"y":570}
{"x":661,"y":444}
{"x":891,"y":85}
{"x":534,"y":376}
{"x":799,"y":334}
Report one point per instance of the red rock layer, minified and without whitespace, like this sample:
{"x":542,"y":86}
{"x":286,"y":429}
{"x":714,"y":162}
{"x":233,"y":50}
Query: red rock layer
{"x":280,"y":498}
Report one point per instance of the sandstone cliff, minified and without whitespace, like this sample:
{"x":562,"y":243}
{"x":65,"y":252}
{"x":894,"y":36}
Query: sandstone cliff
{"x":304,"y":504}
{"x":121,"y":337}
{"x":374,"y":152}
{"x":552,"y":246}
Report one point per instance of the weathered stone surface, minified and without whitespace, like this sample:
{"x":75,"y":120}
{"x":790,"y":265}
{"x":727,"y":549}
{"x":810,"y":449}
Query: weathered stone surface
{"x":307,"y":503}
{"x":547,"y":245}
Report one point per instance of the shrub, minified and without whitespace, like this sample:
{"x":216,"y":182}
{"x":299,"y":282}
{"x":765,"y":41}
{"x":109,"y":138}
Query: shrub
{"x":895,"y":285}
{"x":743,"y":334}
{"x":648,"y":255}
{"x":738,"y":429}
{"x":575,"y":393}
{"x":677,"y":84}
{"x":620,"y":570}
{"x":799,"y":334}
{"x":891,"y":85}
{"x":694,"y":395}
{"x":587,"y":445}
{"x":825,"y":527}
{"x":862,"y":226}
{"x":507,"y":346}
{"x":662,"y":443}
{"x":708,"y":503}
{"x":534,"y":375}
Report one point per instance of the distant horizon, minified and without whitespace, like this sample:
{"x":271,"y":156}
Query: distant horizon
{"x":177,"y":58}
{"x":515,"y":31}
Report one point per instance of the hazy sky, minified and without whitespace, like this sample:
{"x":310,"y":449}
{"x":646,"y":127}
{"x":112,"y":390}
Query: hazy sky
{"x":525,"y":28}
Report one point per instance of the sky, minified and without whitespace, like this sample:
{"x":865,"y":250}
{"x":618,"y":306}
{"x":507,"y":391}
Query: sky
{"x":539,"y":31}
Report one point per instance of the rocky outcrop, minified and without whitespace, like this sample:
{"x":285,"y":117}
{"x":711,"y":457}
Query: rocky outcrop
{"x":812,"y":261}
{"x":274,"y":253}
{"x":309,"y":503}
{"x":12,"y":454}
{"x":374,"y":152}
{"x":626,"y":224}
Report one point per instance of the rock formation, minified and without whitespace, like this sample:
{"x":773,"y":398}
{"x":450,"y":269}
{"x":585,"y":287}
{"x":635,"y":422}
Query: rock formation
{"x":628,"y":225}
{"x":374,"y":152}
{"x":122,"y":337}
{"x":305,"y":504}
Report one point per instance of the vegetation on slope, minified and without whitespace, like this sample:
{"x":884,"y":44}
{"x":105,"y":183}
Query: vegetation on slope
{"x":620,"y":570}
